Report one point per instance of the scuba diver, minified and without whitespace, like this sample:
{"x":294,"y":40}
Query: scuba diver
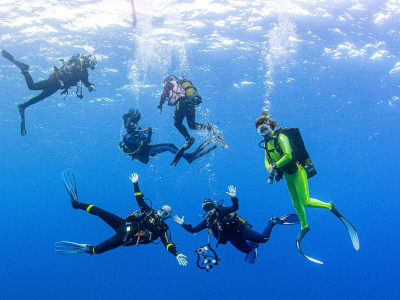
{"x":73,"y":72}
{"x":137,"y":142}
{"x":181,"y":93}
{"x":286,"y":156}
{"x":140,"y":227}
{"x":226,"y":225}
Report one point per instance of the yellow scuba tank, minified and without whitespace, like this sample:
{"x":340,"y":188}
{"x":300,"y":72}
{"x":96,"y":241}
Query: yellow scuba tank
{"x":190,"y":90}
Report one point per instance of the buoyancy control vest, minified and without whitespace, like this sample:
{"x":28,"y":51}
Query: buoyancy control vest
{"x":223,"y":227}
{"x":143,"y":228}
{"x":300,"y":155}
{"x":175,"y":93}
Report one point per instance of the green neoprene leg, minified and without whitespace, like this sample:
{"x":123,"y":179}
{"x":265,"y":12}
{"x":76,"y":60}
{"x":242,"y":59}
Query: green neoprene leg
{"x":298,"y":189}
{"x":297,"y":203}
{"x":310,"y":202}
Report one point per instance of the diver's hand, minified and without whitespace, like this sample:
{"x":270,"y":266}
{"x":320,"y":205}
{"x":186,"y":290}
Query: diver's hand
{"x":134,"y":177}
{"x":159,"y":107}
{"x":232,"y":191}
{"x":181,"y":259}
{"x":271,"y":168}
{"x":179,"y":220}
{"x":91,"y":88}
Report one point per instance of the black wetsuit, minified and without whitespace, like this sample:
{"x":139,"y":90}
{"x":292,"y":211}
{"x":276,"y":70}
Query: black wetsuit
{"x":132,"y":230}
{"x":136,"y":143}
{"x":227,"y":226}
{"x":184,"y":107}
{"x":67,"y":76}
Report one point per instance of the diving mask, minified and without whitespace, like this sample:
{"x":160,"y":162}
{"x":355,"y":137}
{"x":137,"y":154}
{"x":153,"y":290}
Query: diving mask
{"x":165,"y":212}
{"x":208,"y":205}
{"x":264,"y":129}
{"x":92,"y":61}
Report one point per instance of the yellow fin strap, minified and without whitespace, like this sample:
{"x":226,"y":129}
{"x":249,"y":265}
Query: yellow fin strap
{"x":138,"y":194}
{"x":93,"y":251}
{"x":89,"y":207}
{"x":169,"y":245}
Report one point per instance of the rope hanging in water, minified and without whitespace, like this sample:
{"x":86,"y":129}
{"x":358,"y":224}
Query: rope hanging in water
{"x":133,"y":13}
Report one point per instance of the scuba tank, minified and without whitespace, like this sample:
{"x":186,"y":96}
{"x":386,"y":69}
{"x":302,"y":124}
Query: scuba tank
{"x":299,"y":151}
{"x":190,"y":90}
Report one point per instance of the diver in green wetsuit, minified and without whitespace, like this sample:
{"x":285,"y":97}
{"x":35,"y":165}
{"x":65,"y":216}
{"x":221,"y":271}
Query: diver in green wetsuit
{"x":280,"y":161}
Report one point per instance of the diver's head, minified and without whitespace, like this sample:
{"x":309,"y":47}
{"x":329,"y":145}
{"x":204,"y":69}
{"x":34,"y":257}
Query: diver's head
{"x":131,"y":119}
{"x":265,"y":125}
{"x":209,"y":206}
{"x":164,"y":212}
{"x":92,"y":61}
{"x":167,"y":84}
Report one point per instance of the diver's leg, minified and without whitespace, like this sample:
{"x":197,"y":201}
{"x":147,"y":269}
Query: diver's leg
{"x":21,"y":107}
{"x":112,"y":243}
{"x":36,"y":86}
{"x":178,"y":119}
{"x":241,"y":244}
{"x":47,"y":92}
{"x":190,"y":110}
{"x":112,"y":220}
{"x":294,"y":195}
{"x":254,"y":236}
{"x":160,"y":148}
{"x":302,"y":187}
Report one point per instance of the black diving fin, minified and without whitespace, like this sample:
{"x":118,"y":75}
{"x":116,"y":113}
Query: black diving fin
{"x":8,"y":56}
{"x":350,"y":228}
{"x":180,"y":152}
{"x":298,"y":245}
{"x":200,"y":152}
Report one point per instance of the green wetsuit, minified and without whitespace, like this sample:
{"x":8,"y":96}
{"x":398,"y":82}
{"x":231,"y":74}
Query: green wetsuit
{"x":297,"y":182}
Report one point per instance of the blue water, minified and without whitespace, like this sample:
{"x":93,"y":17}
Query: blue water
{"x":328,"y":68}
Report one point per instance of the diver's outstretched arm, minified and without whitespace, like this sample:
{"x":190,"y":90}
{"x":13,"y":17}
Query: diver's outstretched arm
{"x":201,"y":226}
{"x":138,"y":194}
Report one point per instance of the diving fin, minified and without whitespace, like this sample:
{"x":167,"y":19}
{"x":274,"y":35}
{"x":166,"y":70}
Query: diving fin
{"x":70,"y":185}
{"x":180,"y":152}
{"x":21,"y":65}
{"x":289,"y":219}
{"x":177,"y":157}
{"x":22,"y":114}
{"x":66,"y":247}
{"x":350,"y":228}
{"x":302,"y":233}
{"x":216,"y":136}
{"x":7,"y":55}
{"x":252,"y":256}
{"x":200,"y":152}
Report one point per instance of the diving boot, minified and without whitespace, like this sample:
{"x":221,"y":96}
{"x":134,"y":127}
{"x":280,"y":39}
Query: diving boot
{"x":23,"y":67}
{"x":189,"y":143}
{"x":302,"y":234}
{"x":335,"y":211}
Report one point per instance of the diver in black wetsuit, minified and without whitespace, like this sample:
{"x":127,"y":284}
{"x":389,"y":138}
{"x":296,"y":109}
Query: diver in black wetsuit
{"x":137,"y":142}
{"x":181,"y":93}
{"x":226,"y":225}
{"x":72,"y":71}
{"x":143,"y":227}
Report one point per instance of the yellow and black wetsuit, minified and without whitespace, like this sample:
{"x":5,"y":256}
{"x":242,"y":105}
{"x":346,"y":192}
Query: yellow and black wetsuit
{"x":295,"y":176}
{"x":133,"y":230}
